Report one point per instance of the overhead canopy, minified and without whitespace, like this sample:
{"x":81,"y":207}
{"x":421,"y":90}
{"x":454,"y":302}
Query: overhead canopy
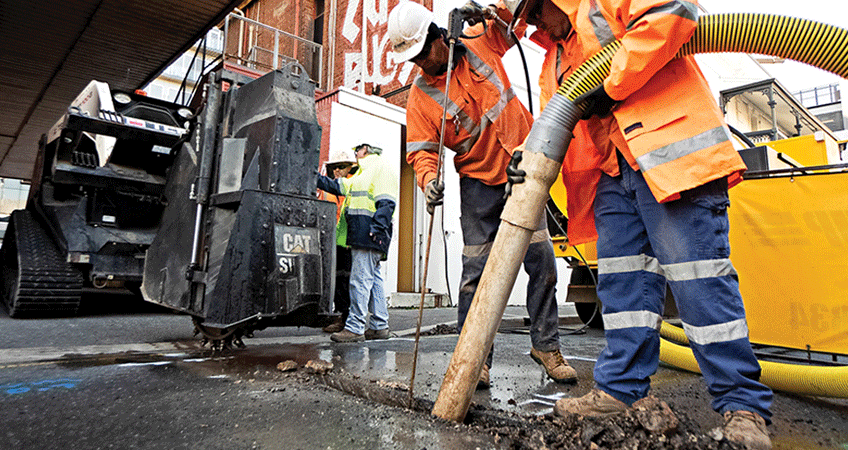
{"x":50,"y":50}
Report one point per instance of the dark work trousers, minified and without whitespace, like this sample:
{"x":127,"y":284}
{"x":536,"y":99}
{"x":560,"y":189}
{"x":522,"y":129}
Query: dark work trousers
{"x":341,"y":300}
{"x":642,"y":245}
{"x":481,"y":207}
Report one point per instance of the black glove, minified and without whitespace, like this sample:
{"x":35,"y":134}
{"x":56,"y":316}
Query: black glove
{"x":375,"y":238}
{"x":598,"y":103}
{"x":514,"y":175}
{"x":473,"y":13}
{"x":434,"y":192}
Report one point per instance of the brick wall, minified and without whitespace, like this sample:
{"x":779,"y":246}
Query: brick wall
{"x":381,"y":76}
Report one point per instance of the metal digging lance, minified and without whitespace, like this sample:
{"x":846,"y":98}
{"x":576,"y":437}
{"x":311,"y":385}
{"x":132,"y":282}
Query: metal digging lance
{"x":455,"y":21}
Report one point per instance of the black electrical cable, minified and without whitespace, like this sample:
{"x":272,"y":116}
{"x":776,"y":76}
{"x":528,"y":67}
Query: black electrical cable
{"x":447,"y":277}
{"x":582,"y":329}
{"x":526,"y":73}
{"x":742,"y":137}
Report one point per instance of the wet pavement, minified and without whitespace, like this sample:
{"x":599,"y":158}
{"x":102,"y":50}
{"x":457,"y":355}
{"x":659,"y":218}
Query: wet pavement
{"x":142,"y":381}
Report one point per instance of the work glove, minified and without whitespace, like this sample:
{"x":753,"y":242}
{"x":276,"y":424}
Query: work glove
{"x":598,"y":103}
{"x":473,"y":13}
{"x":375,"y":238}
{"x":514,"y":175}
{"x":434,"y":192}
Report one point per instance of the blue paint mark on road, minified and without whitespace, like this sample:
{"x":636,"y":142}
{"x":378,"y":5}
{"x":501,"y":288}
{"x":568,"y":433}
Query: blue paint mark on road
{"x":40,"y":386}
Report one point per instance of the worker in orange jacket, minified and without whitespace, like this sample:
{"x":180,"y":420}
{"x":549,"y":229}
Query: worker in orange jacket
{"x":485,"y":121}
{"x":663,"y":163}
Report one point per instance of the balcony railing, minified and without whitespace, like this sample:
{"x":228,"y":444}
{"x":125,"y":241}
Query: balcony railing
{"x":822,"y":95}
{"x":263,"y":48}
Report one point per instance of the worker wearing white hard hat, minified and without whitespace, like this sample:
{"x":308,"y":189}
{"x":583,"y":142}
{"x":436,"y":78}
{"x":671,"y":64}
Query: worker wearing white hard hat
{"x":342,"y":164}
{"x":366,"y":227}
{"x":485,"y":121}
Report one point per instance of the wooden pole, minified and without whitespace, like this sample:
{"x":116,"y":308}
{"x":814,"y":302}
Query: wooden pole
{"x":519,"y":221}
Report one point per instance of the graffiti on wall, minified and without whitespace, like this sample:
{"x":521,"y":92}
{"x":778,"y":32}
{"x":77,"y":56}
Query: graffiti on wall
{"x":374,"y":63}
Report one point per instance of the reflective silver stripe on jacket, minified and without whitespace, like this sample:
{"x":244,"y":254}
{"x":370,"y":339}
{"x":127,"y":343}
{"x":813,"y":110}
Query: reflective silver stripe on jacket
{"x":632,"y":319}
{"x":359,"y":194}
{"x":505,"y":96}
{"x":686,"y":10}
{"x":712,"y":334}
{"x":685,"y":271}
{"x":682,"y":148}
{"x":360,"y":212}
{"x":453,"y":110}
{"x":422,"y":145}
{"x":474,"y":129}
{"x":385,"y":197}
{"x":602,"y":28}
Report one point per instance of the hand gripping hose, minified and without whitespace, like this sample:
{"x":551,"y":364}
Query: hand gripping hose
{"x":821,"y":45}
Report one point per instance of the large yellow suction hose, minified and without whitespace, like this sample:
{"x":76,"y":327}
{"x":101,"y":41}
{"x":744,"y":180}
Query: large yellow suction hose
{"x":817,"y":44}
{"x":822,"y":381}
{"x":820,"y":45}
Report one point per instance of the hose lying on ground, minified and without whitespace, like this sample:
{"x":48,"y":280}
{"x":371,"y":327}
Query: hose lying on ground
{"x":823,"y":381}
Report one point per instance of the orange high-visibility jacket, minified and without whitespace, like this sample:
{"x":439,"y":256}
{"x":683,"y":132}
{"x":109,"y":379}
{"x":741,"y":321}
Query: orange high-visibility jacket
{"x":583,"y":162}
{"x":485,"y":120}
{"x":668,"y":125}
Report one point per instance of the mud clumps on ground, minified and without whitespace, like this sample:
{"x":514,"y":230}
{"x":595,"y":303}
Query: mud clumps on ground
{"x":644,"y":428}
{"x":440,"y":330}
{"x":287,"y":366}
{"x":624,"y":431}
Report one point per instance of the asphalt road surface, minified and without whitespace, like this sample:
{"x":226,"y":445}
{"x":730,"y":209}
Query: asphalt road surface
{"x":128,"y":375}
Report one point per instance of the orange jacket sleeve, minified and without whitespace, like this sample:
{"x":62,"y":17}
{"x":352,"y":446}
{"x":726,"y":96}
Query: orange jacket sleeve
{"x":422,"y":152}
{"x":655,"y":32}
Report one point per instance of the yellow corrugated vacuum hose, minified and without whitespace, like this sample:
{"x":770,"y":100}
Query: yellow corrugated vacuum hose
{"x":822,"y":381}
{"x":820,"y":45}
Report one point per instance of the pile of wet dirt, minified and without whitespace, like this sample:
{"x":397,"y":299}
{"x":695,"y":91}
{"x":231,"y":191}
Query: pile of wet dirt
{"x":623,"y":431}
{"x":646,"y":428}
{"x":440,"y":330}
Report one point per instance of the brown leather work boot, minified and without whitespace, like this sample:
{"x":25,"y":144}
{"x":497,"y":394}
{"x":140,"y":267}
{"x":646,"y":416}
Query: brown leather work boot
{"x":555,"y":365}
{"x":483,"y":382}
{"x":748,"y":428}
{"x":346,"y":336}
{"x":337,"y":325}
{"x":376,"y":334}
{"x":596,"y":403}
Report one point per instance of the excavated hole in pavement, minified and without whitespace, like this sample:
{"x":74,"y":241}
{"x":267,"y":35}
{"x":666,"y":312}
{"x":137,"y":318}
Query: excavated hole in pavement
{"x":637,"y":429}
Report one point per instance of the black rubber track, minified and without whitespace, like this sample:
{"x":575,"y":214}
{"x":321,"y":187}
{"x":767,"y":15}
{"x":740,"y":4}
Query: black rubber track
{"x":37,"y":280}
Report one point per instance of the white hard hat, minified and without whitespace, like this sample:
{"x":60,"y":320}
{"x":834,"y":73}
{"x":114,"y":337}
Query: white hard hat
{"x":344,"y":155}
{"x":408,"y":24}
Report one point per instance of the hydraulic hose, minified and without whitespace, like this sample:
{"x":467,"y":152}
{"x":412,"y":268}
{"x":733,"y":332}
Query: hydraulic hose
{"x":822,"y":381}
{"x":821,"y":45}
